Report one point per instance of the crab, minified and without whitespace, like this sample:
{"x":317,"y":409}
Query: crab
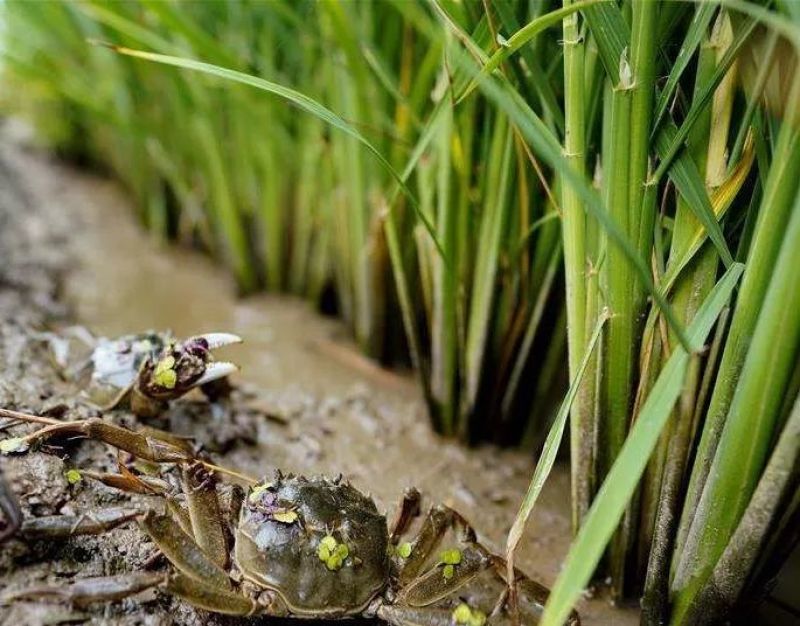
{"x":292,"y":546}
{"x":150,"y":369}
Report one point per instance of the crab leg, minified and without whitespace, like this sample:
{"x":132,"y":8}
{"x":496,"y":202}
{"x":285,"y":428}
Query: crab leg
{"x":210,"y":598}
{"x":204,"y":512}
{"x":183,"y":552}
{"x":10,"y":508}
{"x":438,"y":521}
{"x":145,"y":447}
{"x":129,"y":482}
{"x":407,"y":511}
{"x":88,"y":590}
{"x":201,"y":582}
{"x":433,"y":585}
{"x":57,"y":526}
{"x":419,"y":592}
{"x":179,"y":513}
{"x":413,"y":616}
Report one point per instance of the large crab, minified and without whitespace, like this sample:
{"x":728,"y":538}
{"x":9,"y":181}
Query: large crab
{"x":150,"y":369}
{"x":294,"y":547}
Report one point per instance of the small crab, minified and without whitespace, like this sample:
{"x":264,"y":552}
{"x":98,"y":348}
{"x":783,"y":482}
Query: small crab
{"x":152,"y":368}
{"x":314,"y":548}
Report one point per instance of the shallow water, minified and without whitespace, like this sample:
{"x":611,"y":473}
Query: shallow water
{"x":335,"y":411}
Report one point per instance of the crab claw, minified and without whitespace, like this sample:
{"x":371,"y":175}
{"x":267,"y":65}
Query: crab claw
{"x":217,"y":340}
{"x":184,"y":365}
{"x":215,"y":371}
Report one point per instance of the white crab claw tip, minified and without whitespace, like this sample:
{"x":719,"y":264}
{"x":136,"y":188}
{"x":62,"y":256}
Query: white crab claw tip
{"x":217,"y":340}
{"x":215,"y":371}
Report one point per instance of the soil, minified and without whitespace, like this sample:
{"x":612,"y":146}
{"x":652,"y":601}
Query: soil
{"x":305,"y":400}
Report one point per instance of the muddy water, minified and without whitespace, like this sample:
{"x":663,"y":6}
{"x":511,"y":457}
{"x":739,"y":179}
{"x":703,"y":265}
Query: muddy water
{"x":332,"y":411}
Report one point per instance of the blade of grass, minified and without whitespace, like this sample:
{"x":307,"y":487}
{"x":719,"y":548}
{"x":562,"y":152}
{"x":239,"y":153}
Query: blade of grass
{"x":444,"y":324}
{"x":492,"y":228}
{"x":530,"y":333}
{"x":707,"y":149}
{"x":612,"y":35}
{"x":529,"y":71}
{"x":676,"y":143}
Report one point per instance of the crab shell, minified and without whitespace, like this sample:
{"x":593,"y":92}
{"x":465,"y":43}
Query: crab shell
{"x":284,"y":557}
{"x":116,"y":363}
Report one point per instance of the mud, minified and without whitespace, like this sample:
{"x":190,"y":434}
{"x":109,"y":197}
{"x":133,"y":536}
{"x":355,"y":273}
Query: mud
{"x":305,"y":401}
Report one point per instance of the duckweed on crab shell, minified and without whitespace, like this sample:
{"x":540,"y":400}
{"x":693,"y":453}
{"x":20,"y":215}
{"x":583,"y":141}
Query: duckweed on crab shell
{"x":332,"y":553}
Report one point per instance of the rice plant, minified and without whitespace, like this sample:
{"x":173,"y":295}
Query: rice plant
{"x":524,"y":199}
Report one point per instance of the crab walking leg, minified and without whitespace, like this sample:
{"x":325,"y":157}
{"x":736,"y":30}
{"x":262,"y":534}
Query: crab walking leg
{"x":129,"y":482}
{"x":408,"y":510}
{"x":179,"y":513}
{"x":184,"y":443}
{"x":433,"y":585}
{"x":183,"y":552}
{"x":414,"y":616}
{"x":144,"y":446}
{"x":210,"y":597}
{"x":88,"y":590}
{"x":10,"y":508}
{"x":438,"y":521}
{"x":60,"y":526}
{"x":207,"y":520}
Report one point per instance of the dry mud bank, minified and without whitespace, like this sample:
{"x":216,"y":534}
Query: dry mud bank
{"x":306,"y":402}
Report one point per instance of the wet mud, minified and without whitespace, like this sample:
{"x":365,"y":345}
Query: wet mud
{"x":305,"y":401}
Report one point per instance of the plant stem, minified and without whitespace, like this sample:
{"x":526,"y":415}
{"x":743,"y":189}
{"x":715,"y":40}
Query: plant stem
{"x":573,"y":227}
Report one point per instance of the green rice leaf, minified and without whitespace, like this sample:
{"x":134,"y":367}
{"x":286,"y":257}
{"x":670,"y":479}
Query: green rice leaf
{"x":670,"y":144}
{"x":704,"y":12}
{"x":689,"y":182}
{"x":611,"y":33}
{"x":522,"y":37}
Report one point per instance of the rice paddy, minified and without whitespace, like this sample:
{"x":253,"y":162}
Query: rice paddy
{"x":578,"y":221}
